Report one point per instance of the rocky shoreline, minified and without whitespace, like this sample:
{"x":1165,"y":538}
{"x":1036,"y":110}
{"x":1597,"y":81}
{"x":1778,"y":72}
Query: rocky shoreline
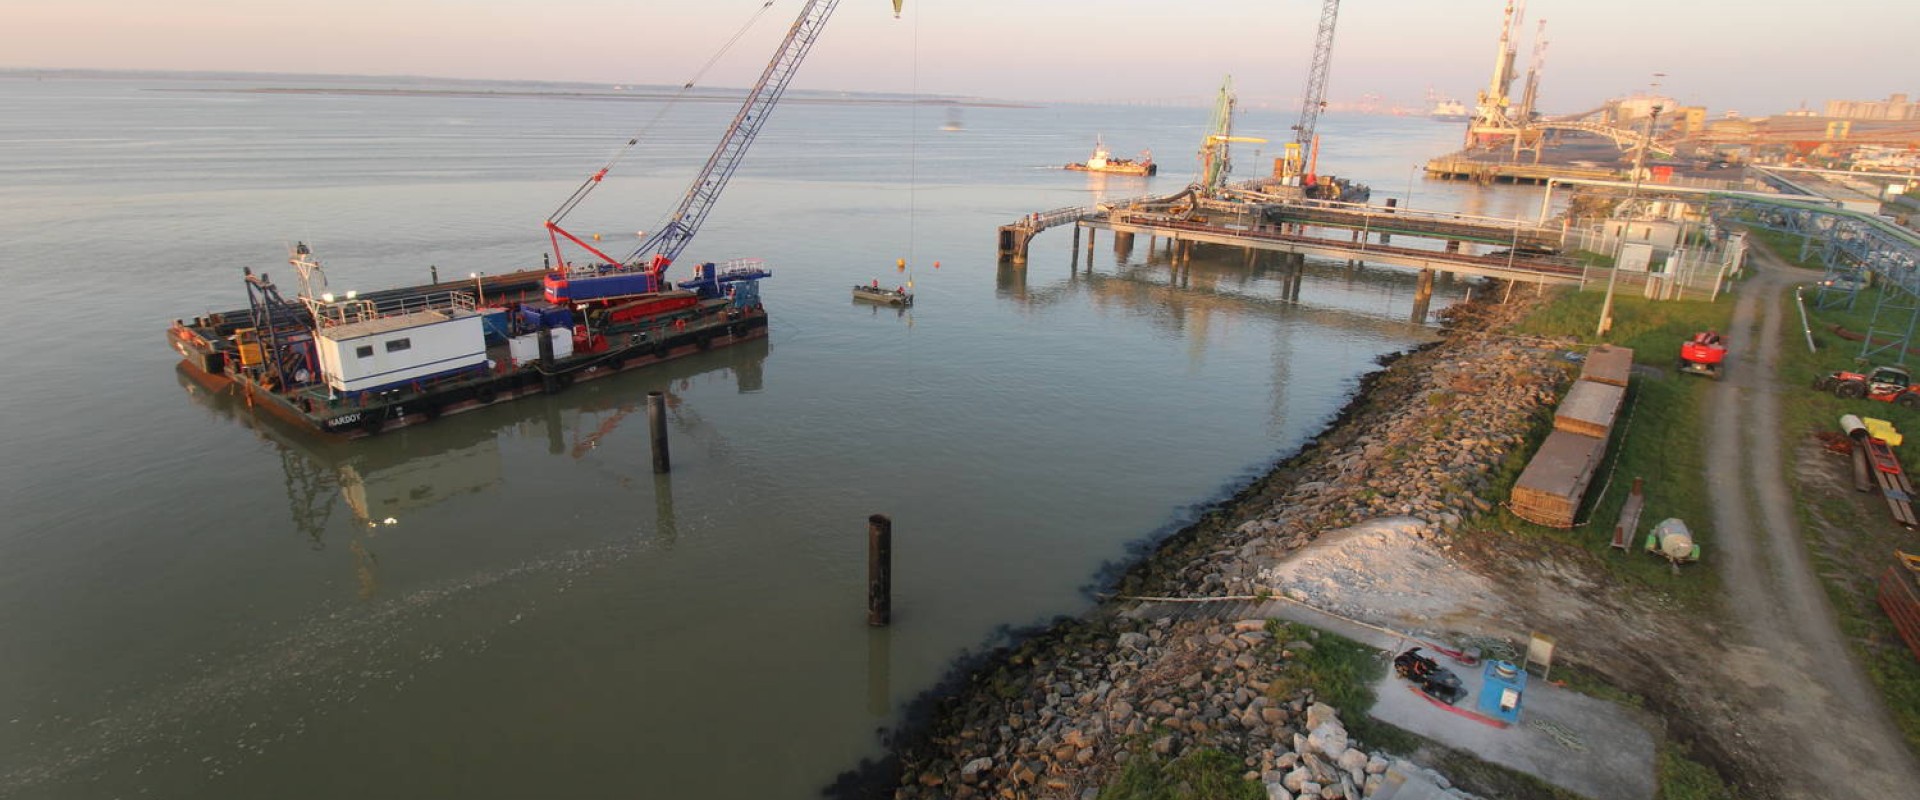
{"x":1062,"y":712}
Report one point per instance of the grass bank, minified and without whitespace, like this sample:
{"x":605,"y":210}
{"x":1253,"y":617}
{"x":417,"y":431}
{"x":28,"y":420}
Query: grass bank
{"x":1657,"y":439}
{"x":1662,"y":408}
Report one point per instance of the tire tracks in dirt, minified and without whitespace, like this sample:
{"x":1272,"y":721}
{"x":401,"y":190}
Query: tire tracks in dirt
{"x":1811,"y":708}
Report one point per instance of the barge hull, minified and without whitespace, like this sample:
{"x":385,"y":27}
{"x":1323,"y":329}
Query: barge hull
{"x":498,"y":387}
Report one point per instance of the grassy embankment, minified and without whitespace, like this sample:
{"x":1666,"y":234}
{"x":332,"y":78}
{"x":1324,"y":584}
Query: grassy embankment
{"x":1850,"y":535}
{"x":1663,"y":408}
{"x":1662,"y":411}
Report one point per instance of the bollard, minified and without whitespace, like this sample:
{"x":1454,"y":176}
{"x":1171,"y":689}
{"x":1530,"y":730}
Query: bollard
{"x":657,"y":423}
{"x":879,"y":570}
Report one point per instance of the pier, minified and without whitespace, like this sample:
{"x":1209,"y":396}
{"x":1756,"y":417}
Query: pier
{"x":1358,"y":233}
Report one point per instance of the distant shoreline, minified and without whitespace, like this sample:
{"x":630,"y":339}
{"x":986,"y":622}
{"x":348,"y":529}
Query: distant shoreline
{"x":466,"y":87}
{"x":650,"y":94}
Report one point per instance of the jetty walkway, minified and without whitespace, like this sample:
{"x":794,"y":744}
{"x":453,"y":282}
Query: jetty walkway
{"x":1426,"y":242}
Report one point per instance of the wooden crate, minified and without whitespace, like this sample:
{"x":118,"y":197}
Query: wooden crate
{"x":1589,"y":408}
{"x":1608,"y":364}
{"x":1554,"y":483}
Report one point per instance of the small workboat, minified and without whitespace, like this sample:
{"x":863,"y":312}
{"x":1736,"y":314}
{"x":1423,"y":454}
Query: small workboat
{"x":1104,"y":161}
{"x":886,"y":297}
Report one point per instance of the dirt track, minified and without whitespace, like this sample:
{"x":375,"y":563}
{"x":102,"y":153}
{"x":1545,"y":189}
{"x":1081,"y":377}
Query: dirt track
{"x":1812,"y":714}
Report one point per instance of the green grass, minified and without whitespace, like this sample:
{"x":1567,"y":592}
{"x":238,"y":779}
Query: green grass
{"x":1849,"y":563}
{"x":1206,"y":774}
{"x":1682,"y":778}
{"x":1340,"y":671}
{"x":1658,"y":412}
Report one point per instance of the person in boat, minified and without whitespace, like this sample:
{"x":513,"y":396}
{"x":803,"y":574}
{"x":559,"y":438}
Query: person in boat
{"x":900,"y":290}
{"x":876,"y":283}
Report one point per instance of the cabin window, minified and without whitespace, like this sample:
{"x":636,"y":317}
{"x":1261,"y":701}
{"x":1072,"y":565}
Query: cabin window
{"x":398,"y":345}
{"x":364,"y":351}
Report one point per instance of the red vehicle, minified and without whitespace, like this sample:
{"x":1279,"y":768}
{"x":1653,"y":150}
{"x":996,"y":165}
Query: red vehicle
{"x":1703,"y":354}
{"x":1888,"y":384}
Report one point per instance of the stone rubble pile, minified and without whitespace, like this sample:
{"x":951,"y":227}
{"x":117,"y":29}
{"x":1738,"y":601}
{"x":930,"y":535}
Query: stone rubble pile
{"x":1060,"y":720}
{"x":1062,"y":714}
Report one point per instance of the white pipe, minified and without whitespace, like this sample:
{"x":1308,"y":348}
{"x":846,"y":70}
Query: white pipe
{"x":1800,"y":300}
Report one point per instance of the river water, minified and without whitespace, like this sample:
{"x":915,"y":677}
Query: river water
{"x":508,"y":603}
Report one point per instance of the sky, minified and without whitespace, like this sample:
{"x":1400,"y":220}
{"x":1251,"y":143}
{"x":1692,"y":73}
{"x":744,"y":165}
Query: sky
{"x":1755,"y":57}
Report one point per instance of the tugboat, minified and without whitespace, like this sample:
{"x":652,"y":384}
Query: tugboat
{"x":1103,"y":161}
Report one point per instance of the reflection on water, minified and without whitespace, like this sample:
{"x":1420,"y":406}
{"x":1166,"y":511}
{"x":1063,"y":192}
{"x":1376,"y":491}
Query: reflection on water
{"x":232,"y":615}
{"x":378,"y":482}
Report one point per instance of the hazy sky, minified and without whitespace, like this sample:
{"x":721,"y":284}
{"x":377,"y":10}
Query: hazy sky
{"x":1758,"y":57}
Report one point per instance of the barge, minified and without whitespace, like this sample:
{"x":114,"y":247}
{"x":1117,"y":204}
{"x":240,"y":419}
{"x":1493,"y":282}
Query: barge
{"x":353,"y":366}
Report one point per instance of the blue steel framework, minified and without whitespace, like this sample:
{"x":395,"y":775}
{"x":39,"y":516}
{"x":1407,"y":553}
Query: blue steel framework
{"x":1853,"y":246}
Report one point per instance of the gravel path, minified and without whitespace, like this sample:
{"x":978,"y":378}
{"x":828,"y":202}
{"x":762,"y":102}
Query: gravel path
{"x":1814,"y":709}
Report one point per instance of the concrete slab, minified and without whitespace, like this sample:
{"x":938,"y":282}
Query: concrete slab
{"x":1607,"y":751}
{"x":1572,"y":741}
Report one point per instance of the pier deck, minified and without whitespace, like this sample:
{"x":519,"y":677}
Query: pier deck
{"x":1368,"y":229}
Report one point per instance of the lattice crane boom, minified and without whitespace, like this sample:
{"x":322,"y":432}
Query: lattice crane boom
{"x":1314,"y":99}
{"x":664,"y":245}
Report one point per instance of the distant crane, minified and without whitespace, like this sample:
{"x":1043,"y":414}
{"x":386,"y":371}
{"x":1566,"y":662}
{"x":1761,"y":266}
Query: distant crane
{"x":1302,"y":154}
{"x":1491,"y":121}
{"x":1215,"y":155}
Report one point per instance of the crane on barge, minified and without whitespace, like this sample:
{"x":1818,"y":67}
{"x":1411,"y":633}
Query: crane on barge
{"x":1303,"y":153}
{"x":616,"y":278}
{"x":1299,"y":167}
{"x":356,"y":365}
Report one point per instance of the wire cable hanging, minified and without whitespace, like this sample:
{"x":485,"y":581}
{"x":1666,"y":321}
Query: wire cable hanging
{"x":587,"y":186}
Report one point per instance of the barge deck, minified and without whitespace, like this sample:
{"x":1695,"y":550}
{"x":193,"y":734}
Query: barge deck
{"x":273,"y":353}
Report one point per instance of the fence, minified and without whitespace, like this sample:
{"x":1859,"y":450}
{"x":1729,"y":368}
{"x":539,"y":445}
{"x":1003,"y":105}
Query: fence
{"x":1696,"y":270}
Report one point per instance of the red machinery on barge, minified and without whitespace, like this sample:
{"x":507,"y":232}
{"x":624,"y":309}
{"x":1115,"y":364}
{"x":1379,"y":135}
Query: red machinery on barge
{"x":354,"y":365}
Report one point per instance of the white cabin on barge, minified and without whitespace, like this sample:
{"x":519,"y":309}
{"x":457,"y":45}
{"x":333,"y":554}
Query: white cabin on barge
{"x":373,"y":354}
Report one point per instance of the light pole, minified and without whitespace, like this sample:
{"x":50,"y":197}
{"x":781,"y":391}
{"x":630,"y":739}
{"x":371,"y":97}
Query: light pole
{"x":1639,"y":160}
{"x":478,"y":290}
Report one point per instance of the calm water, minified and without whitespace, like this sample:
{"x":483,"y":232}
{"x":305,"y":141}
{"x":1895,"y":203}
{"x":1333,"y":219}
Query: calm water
{"x":509,"y":603}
